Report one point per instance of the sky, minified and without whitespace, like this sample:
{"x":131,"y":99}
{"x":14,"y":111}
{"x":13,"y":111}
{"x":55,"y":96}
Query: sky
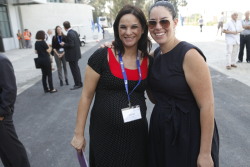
{"x":214,"y":6}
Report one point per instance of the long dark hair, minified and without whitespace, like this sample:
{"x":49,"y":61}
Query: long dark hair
{"x":57,"y":34}
{"x":144,"y":44}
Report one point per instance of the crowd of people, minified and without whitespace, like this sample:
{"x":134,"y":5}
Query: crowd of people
{"x":64,"y":49}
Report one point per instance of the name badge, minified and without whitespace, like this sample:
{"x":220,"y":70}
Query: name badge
{"x":61,"y":49}
{"x":131,"y":114}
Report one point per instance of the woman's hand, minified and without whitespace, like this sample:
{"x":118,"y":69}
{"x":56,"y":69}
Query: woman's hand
{"x":205,"y":160}
{"x":79,"y":143}
{"x":1,"y":118}
{"x":106,"y":44}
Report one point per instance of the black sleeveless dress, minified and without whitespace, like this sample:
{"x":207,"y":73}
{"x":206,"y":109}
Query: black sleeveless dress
{"x":114,"y":143}
{"x":175,"y":131}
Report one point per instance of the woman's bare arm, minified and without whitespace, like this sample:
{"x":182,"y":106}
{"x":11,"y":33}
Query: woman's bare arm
{"x":49,"y":49}
{"x":199,"y":80}
{"x":35,"y":51}
{"x":55,"y":52}
{"x":152,"y":53}
{"x":90,"y":82}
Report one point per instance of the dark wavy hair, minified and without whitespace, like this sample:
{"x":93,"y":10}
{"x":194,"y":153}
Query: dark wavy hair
{"x":57,"y":34}
{"x":144,"y":44}
{"x":164,"y":3}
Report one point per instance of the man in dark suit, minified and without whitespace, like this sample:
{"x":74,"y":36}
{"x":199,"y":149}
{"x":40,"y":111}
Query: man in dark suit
{"x":12,"y":151}
{"x":73,"y":53}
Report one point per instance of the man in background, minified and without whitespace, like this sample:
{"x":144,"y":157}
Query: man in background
{"x":12,"y":151}
{"x":20,"y":39}
{"x":232,"y":29}
{"x":245,"y":38}
{"x":48,"y":40}
{"x":220,"y":23}
{"x":73,"y":54}
{"x":27,"y":36}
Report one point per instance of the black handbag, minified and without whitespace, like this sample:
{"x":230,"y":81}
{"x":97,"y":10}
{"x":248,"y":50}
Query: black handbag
{"x":36,"y":63}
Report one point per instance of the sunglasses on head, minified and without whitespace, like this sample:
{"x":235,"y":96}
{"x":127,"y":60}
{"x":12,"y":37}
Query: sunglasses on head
{"x":164,"y":24}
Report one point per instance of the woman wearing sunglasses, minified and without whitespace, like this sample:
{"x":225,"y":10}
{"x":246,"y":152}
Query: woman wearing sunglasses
{"x":182,"y":131}
{"x":118,"y":78}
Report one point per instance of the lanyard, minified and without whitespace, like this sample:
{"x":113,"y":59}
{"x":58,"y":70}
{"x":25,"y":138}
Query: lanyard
{"x":125,"y":76}
{"x":234,"y":24}
{"x":60,"y":41}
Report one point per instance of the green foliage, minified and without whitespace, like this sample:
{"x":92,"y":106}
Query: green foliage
{"x":146,"y":8}
{"x":175,"y":3}
{"x":99,"y":6}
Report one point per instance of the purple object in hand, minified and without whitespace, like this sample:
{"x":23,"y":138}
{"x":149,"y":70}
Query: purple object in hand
{"x":82,"y":160}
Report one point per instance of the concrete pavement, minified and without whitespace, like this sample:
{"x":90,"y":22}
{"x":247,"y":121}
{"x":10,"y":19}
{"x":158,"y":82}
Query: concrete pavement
{"x":45,"y":123}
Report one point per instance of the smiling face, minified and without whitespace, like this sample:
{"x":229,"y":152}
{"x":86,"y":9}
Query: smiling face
{"x":160,"y":33}
{"x":130,"y":30}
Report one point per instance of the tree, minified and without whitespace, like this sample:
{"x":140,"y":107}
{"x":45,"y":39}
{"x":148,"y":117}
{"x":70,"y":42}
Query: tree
{"x":175,"y":3}
{"x":99,"y":6}
{"x":146,"y":8}
{"x":118,"y":5}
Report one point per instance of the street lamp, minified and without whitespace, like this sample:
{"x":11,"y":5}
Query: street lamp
{"x":134,"y":2}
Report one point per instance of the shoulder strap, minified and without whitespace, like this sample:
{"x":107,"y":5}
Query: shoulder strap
{"x":185,"y":47}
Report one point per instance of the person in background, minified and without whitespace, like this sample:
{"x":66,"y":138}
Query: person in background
{"x":43,"y":51}
{"x":20,"y":39}
{"x":200,"y":23}
{"x":73,"y":54}
{"x":12,"y":151}
{"x":27,"y":36}
{"x":220,"y":23}
{"x":59,"y":54}
{"x":103,"y":32}
{"x":245,"y":38}
{"x":48,"y":40}
{"x":232,"y":29}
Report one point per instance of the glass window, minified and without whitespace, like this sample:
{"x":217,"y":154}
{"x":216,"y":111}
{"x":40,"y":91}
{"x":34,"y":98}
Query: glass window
{"x":4,"y":22}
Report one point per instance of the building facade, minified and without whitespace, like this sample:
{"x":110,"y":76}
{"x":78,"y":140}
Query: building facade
{"x":36,"y":15}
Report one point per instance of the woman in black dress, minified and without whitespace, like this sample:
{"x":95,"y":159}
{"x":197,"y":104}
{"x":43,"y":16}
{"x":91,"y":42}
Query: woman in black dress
{"x":115,"y":142}
{"x":59,"y":54}
{"x":183,"y":132}
{"x":43,"y":50}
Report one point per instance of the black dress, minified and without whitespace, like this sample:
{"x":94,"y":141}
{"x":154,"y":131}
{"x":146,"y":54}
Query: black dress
{"x":114,"y":143}
{"x":175,"y":131}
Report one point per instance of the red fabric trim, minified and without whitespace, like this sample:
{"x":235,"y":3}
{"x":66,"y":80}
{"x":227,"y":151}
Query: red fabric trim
{"x":133,"y":75}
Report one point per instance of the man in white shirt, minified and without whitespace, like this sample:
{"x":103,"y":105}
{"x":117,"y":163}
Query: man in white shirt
{"x":220,"y":23}
{"x":232,"y":29}
{"x":48,"y":40}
